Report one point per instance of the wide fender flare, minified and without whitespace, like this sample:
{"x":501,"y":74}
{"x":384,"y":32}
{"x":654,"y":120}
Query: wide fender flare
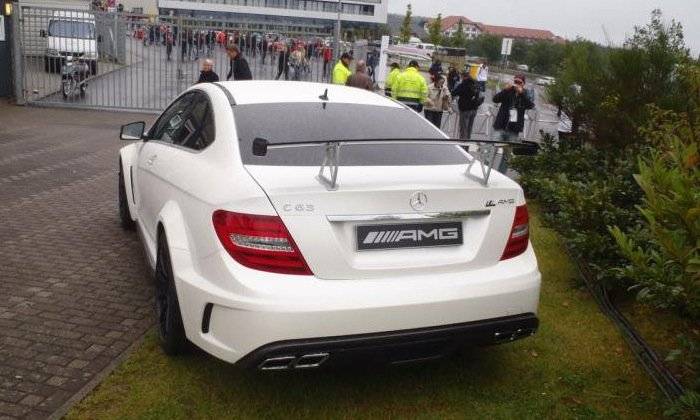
{"x":173,"y":223}
{"x":129,"y":159}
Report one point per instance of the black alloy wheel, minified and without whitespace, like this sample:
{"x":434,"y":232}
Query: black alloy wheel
{"x":171,"y":332}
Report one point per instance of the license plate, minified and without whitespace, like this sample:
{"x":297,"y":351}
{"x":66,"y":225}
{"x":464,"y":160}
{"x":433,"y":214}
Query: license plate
{"x":410,"y":235}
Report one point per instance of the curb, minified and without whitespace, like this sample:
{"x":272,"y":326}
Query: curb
{"x":96,"y":380}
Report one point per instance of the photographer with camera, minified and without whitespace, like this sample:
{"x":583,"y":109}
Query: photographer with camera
{"x":510,"y":119}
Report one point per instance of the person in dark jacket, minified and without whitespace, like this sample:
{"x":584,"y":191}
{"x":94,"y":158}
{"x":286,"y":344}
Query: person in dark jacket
{"x":283,"y":63}
{"x":452,"y":78}
{"x":207,"y":74}
{"x":263,"y":48}
{"x":510,"y":119}
{"x":514,"y":101}
{"x":238,"y":67}
{"x":435,"y":69}
{"x":468,"y":104}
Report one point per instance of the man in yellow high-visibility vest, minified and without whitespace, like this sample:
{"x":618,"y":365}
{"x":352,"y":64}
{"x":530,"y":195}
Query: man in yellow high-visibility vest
{"x":410,"y":87}
{"x":341,"y":71}
{"x":391,"y":78}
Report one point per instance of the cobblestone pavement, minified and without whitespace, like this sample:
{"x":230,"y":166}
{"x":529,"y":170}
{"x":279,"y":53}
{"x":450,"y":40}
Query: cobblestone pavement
{"x":74,"y":288}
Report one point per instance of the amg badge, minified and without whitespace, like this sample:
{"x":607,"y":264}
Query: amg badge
{"x":409,"y":235}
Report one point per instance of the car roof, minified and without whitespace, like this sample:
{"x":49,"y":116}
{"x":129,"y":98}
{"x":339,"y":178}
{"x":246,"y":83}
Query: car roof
{"x":272,"y":91}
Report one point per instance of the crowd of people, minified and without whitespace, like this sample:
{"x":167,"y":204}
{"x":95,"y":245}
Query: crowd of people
{"x":464,"y":90}
{"x":467,"y":88}
{"x":293,"y":56}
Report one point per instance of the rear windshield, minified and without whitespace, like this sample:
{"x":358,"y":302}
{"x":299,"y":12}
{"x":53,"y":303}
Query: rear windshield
{"x":295,"y":122}
{"x":72,"y":29}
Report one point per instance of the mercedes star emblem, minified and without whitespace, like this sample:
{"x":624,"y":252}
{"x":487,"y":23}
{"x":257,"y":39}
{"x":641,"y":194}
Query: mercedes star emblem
{"x":418,"y":200}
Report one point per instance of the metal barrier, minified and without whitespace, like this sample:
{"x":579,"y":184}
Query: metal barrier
{"x":142,"y":62}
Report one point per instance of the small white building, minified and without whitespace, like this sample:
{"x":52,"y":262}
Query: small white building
{"x":450,"y":25}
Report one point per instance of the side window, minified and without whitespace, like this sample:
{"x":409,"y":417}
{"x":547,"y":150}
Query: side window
{"x":171,"y":126}
{"x":202,"y":119}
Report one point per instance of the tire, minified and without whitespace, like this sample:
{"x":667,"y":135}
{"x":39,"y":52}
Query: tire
{"x":171,"y":333}
{"x":124,"y":213}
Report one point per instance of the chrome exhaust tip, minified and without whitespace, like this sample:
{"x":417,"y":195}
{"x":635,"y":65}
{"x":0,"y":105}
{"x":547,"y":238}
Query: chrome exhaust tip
{"x":277,"y":363}
{"x":309,"y":361}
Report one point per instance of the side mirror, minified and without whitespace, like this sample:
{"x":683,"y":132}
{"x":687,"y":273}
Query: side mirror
{"x":42,"y":33}
{"x":133,"y":131}
{"x":527,"y":148}
{"x":260,"y":147}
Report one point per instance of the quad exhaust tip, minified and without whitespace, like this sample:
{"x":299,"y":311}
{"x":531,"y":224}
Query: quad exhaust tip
{"x":307,"y":361}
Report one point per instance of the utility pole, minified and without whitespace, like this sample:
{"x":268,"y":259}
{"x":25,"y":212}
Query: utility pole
{"x":337,"y":32}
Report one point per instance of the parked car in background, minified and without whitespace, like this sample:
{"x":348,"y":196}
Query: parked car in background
{"x":545,"y":81}
{"x":70,"y":33}
{"x":523,"y":67}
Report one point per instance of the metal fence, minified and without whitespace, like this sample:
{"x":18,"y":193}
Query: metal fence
{"x":142,"y":62}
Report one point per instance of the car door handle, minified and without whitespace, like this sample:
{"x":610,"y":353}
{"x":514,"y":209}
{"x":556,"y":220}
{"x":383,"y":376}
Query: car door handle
{"x":151,"y":160}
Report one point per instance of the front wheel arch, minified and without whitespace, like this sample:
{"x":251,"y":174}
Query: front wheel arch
{"x":125,"y":217}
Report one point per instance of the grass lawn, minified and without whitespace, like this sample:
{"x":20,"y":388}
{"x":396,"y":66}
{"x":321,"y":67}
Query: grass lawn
{"x":577,"y":365}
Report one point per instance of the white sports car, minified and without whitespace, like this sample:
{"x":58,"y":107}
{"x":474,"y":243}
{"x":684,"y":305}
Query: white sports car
{"x":273,"y":250}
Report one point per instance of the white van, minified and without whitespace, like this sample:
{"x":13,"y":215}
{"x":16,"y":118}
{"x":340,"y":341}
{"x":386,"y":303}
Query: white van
{"x":426,"y":46}
{"x":70,"y":33}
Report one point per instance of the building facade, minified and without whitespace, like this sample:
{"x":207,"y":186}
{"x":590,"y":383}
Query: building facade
{"x":471,"y":29}
{"x":450,"y":26}
{"x":149,"y":7}
{"x":370,"y":12}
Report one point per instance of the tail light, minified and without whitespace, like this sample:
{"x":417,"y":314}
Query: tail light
{"x":519,"y":234}
{"x":259,"y":242}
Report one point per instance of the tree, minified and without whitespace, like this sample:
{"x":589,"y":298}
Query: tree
{"x":458,"y":39}
{"x":405,"y":35}
{"x":489,"y":47}
{"x":435,"y":30}
{"x":519,"y":52}
{"x":615,"y":86}
{"x":544,"y":56}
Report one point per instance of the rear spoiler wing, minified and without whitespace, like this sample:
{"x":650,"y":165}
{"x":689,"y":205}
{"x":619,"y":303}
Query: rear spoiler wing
{"x":484,"y":155}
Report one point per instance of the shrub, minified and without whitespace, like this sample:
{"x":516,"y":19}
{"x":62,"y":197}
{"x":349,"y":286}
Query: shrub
{"x":582,"y":191}
{"x":664,"y":255}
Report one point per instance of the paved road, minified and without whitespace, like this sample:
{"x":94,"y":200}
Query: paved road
{"x":75,"y":289}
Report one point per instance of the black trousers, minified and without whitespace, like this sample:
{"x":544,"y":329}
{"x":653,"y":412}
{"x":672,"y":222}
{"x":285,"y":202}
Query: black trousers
{"x":284,"y":70}
{"x":434,"y":117}
{"x":412,"y":103}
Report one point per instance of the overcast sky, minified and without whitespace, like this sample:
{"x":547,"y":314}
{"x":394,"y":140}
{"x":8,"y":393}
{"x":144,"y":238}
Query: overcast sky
{"x":567,"y":18}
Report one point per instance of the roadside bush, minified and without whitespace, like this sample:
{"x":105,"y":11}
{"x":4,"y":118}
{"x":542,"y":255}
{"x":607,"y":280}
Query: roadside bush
{"x":625,"y":196}
{"x":664,"y":256}
{"x":582,"y":191}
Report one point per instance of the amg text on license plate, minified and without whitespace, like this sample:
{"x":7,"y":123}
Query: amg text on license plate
{"x":410,"y":235}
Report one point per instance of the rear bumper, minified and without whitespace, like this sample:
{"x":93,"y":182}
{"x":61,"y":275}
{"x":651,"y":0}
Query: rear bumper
{"x":394,"y":347}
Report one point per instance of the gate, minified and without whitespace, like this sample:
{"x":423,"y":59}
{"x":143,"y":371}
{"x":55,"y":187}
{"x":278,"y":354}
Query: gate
{"x":142,"y":62}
